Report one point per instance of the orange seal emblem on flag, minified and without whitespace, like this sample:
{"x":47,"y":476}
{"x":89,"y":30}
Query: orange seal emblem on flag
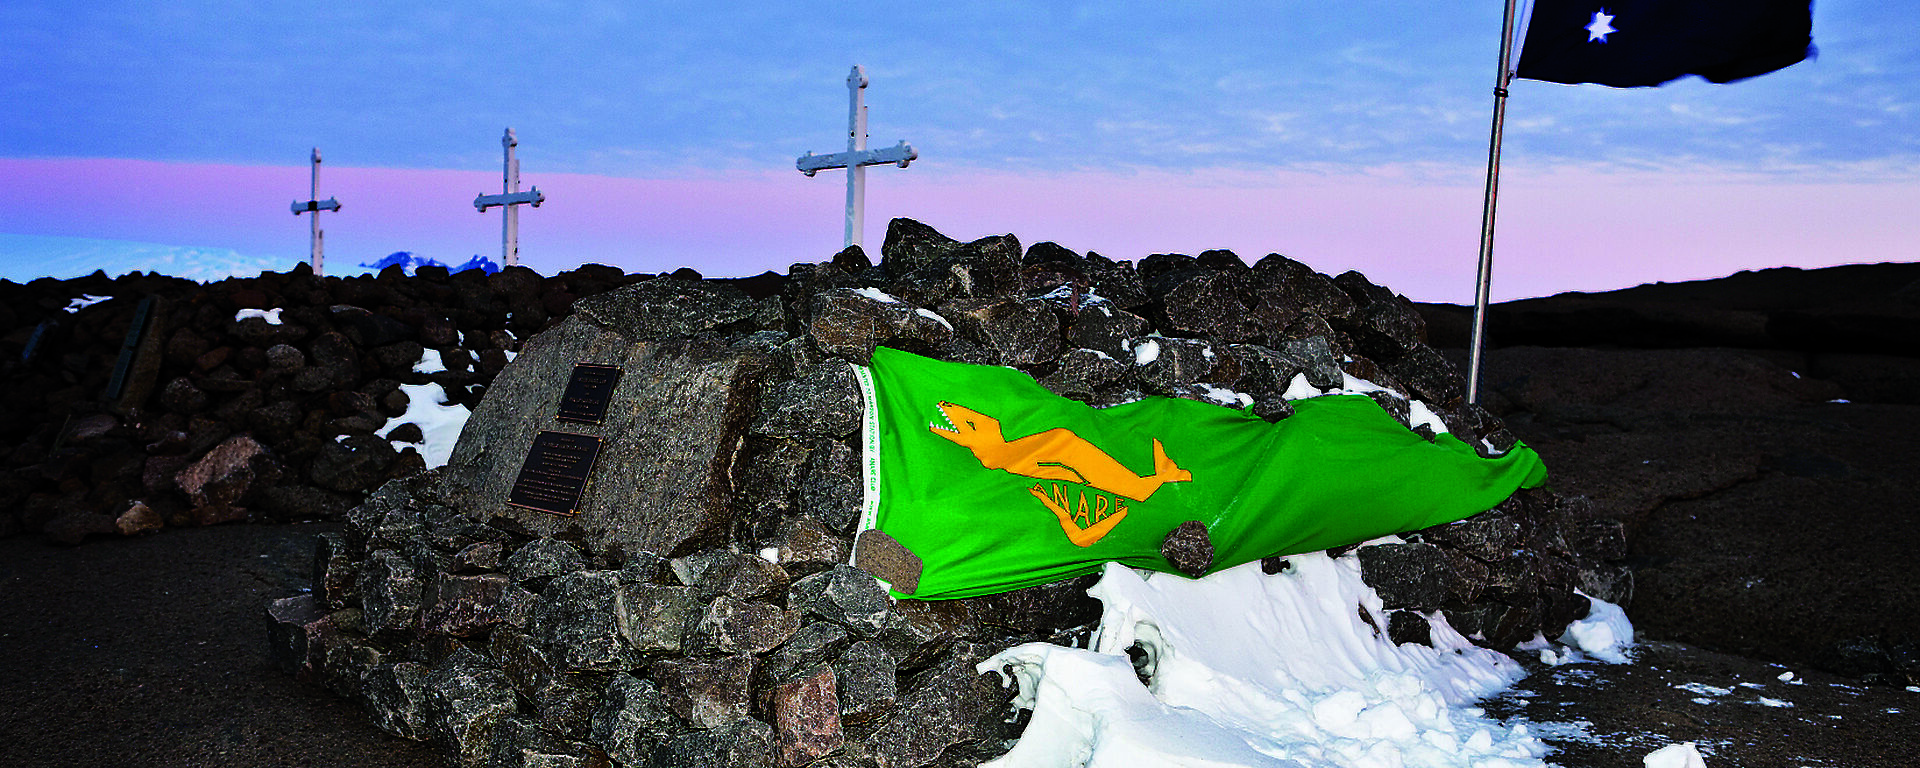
{"x":1061,"y":456}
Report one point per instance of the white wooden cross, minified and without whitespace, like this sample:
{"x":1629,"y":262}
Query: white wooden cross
{"x":857,"y":156}
{"x":510,"y":196}
{"x":315,"y":205}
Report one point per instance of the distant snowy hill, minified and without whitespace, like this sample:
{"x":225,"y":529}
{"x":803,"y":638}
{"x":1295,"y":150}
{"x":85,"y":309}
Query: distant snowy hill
{"x":29,"y":257}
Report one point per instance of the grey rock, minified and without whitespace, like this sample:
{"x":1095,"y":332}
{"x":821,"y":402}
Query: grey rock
{"x":655,"y":618}
{"x":915,"y":630}
{"x":1316,"y":359}
{"x":865,"y":678}
{"x":520,"y":743}
{"x":540,"y":561}
{"x":357,"y":464}
{"x":823,"y":401}
{"x":1488,"y":536}
{"x":1176,"y":364}
{"x":468,"y":699}
{"x":335,"y":574}
{"x":806,"y":718}
{"x":1412,"y":576}
{"x":1108,"y":329}
{"x":523,"y":659}
{"x":848,"y":324}
{"x":769,"y":479}
{"x":668,"y":306}
{"x":1082,"y":373}
{"x":830,"y":489}
{"x":709,"y":693}
{"x":298,"y":632}
{"x":1409,"y":627}
{"x":813,"y":643}
{"x":1312,"y":291}
{"x":743,"y":577}
{"x":1429,"y":377}
{"x":392,"y":591}
{"x":218,"y":482}
{"x":1383,"y":324}
{"x":399,"y":696}
{"x":805,"y":546}
{"x":469,"y":606}
{"x":845,"y":595}
{"x":349,"y":659}
{"x":729,"y":626}
{"x":747,"y":743}
{"x":1188,"y":549}
{"x":1020,"y":332}
{"x":951,"y":705}
{"x":662,"y":481}
{"x":480,"y":556}
{"x":576,"y":620}
{"x":632,"y":721}
{"x":565,"y":704}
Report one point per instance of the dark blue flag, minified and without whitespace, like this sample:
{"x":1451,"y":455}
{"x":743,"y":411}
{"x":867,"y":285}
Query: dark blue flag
{"x":1626,"y":43}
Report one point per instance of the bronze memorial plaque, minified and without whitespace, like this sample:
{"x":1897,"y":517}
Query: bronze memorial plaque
{"x":588,"y":391}
{"x":555,"y":473}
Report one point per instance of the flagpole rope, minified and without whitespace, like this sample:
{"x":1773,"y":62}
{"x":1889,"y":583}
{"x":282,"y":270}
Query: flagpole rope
{"x":1483,"y":283}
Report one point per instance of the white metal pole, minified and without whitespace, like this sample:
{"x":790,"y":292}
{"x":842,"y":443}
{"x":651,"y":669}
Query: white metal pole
{"x":1483,"y":286}
{"x":856,"y":142}
{"x":318,"y":254}
{"x":510,"y":220}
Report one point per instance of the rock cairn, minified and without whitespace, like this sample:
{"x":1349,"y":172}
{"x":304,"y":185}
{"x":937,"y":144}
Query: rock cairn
{"x":737,"y":635}
{"x":220,"y":419}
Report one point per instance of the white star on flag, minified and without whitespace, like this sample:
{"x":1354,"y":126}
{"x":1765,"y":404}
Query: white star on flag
{"x":1601,"y":26}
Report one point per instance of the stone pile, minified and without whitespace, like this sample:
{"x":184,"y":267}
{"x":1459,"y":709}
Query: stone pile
{"x":223,"y":418}
{"x":697,"y":610}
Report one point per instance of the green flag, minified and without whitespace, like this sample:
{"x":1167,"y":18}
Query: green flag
{"x":982,"y":481}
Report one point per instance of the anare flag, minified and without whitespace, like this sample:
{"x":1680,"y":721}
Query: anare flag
{"x":979,"y":480}
{"x":1626,"y":43}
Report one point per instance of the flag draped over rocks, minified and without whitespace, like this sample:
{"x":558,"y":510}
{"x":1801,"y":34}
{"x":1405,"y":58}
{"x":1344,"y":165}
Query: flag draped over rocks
{"x":979,"y":480}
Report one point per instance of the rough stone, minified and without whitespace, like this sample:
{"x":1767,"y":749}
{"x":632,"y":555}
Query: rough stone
{"x":821,"y":402}
{"x":709,"y":693}
{"x":830,"y":489}
{"x":220,"y":480}
{"x":542,"y":560}
{"x":1021,"y":332}
{"x":845,"y":595}
{"x":299,"y":631}
{"x":747,"y":743}
{"x":865,"y":676}
{"x":848,"y":324}
{"x":576,"y":619}
{"x":399,"y":696}
{"x":667,"y":441}
{"x":805,"y":546}
{"x":1188,"y":548}
{"x":667,"y":306}
{"x":1410,"y":576}
{"x":950,"y":705}
{"x":137,"y":519}
{"x":392,"y":591}
{"x":335,"y":575}
{"x":1172,"y":365}
{"x":469,"y":606}
{"x":806,"y":718}
{"x":632,"y":721}
{"x":1082,"y":373}
{"x":742,"y":577}
{"x":519,"y":743}
{"x":468,"y":699}
{"x":1108,"y":329}
{"x":729,"y":626}
{"x":354,"y":465}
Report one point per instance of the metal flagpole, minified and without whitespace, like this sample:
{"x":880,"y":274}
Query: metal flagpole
{"x":1484,"y":283}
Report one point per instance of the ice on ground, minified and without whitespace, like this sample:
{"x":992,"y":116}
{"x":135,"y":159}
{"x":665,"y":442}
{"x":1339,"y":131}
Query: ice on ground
{"x":1704,"y":689}
{"x":430,"y":362}
{"x":85,"y":300}
{"x":440,"y":423}
{"x":1604,"y":634}
{"x":1087,"y":297}
{"x":272,"y":316}
{"x":1299,"y":389}
{"x":1419,"y":414}
{"x":1146,"y":352}
{"x":1682,"y":755}
{"x":1248,"y":669}
{"x":877,"y":295}
{"x":1226,"y":397}
{"x":1778,"y":703}
{"x":935,"y":316}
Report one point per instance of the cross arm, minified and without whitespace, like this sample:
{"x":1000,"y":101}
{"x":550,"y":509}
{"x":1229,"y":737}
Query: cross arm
{"x":310,"y":206}
{"x":531,"y":196}
{"x":899,"y":154}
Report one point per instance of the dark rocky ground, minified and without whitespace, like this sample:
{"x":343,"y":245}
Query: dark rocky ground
{"x":1771,"y":530}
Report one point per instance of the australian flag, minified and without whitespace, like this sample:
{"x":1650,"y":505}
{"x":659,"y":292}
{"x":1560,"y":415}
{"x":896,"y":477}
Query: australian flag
{"x":1627,"y":43}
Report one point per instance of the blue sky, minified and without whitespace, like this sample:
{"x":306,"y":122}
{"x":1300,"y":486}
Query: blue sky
{"x":1350,"y":135}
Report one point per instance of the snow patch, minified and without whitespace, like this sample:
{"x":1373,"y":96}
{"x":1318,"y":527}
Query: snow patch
{"x":1299,"y":389}
{"x":1604,"y":634}
{"x":877,"y":295}
{"x":1247,"y":669}
{"x":1418,"y":413}
{"x":430,"y":362}
{"x":928,"y":313}
{"x":272,"y":316}
{"x":1682,"y":755}
{"x":1146,"y":352}
{"x":85,"y":300}
{"x":440,"y":423}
